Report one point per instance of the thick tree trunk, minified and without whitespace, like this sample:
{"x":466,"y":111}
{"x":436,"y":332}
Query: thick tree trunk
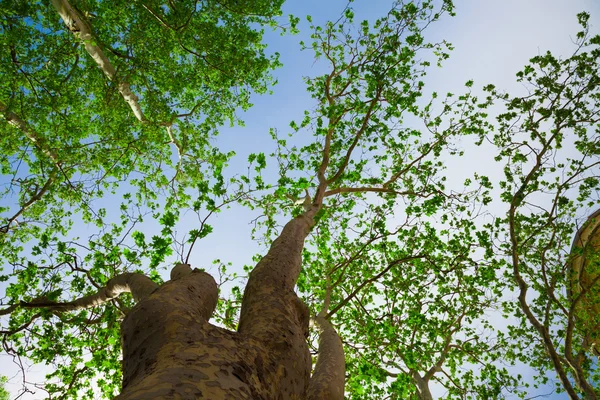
{"x":170,"y":351}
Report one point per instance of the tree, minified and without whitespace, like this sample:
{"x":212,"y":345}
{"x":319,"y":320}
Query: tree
{"x":394,"y":268}
{"x":100,"y":101}
{"x":549,"y":140}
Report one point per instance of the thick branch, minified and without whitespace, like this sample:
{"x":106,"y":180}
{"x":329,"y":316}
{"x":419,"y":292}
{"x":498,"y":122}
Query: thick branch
{"x":281,"y":265}
{"x":327,"y":381}
{"x":422,"y":385}
{"x":80,"y":27}
{"x":139,"y":285}
{"x":275,"y":275}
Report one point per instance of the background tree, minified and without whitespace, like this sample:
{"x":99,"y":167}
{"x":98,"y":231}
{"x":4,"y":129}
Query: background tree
{"x":549,"y":141}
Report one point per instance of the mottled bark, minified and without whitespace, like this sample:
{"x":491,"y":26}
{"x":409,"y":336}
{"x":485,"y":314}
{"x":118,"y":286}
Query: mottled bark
{"x":327,"y":382}
{"x":81,"y":28}
{"x":584,"y":279}
{"x":170,"y":351}
{"x":584,"y":282}
{"x":584,"y":295}
{"x":274,"y":316}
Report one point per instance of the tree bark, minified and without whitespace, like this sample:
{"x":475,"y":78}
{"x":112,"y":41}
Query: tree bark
{"x":170,"y":351}
{"x":80,"y":27}
{"x":139,"y":285}
{"x":422,"y":384}
{"x":327,"y":382}
{"x":38,"y":140}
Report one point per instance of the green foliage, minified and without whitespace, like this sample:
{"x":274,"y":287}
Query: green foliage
{"x":408,"y":264}
{"x":548,"y":141}
{"x":408,"y":295}
{"x":3,"y":392}
{"x":69,"y":141}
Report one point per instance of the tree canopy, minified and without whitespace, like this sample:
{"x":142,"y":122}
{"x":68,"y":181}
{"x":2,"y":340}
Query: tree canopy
{"x":110,"y":113}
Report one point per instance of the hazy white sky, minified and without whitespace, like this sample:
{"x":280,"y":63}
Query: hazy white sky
{"x":492,"y":39}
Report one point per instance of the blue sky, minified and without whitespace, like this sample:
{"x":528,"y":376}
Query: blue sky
{"x":492,"y":40}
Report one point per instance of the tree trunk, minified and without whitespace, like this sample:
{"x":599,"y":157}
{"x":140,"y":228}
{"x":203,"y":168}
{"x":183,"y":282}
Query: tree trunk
{"x":422,"y":385}
{"x":170,"y":351}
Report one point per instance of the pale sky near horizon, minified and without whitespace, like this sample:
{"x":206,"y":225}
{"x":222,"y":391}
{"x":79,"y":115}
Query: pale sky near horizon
{"x":492,"y":40}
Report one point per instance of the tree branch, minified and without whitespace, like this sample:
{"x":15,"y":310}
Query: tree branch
{"x":357,"y":137}
{"x":517,"y":199}
{"x":139,"y":285}
{"x":365,"y":189}
{"x":81,"y":28}
{"x":35,"y":197}
{"x":39,"y":141}
{"x":368,"y":281}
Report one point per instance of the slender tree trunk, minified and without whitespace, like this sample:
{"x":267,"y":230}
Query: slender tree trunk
{"x":422,"y":384}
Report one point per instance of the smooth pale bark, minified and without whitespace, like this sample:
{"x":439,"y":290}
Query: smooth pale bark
{"x":81,"y":28}
{"x":38,"y":141}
